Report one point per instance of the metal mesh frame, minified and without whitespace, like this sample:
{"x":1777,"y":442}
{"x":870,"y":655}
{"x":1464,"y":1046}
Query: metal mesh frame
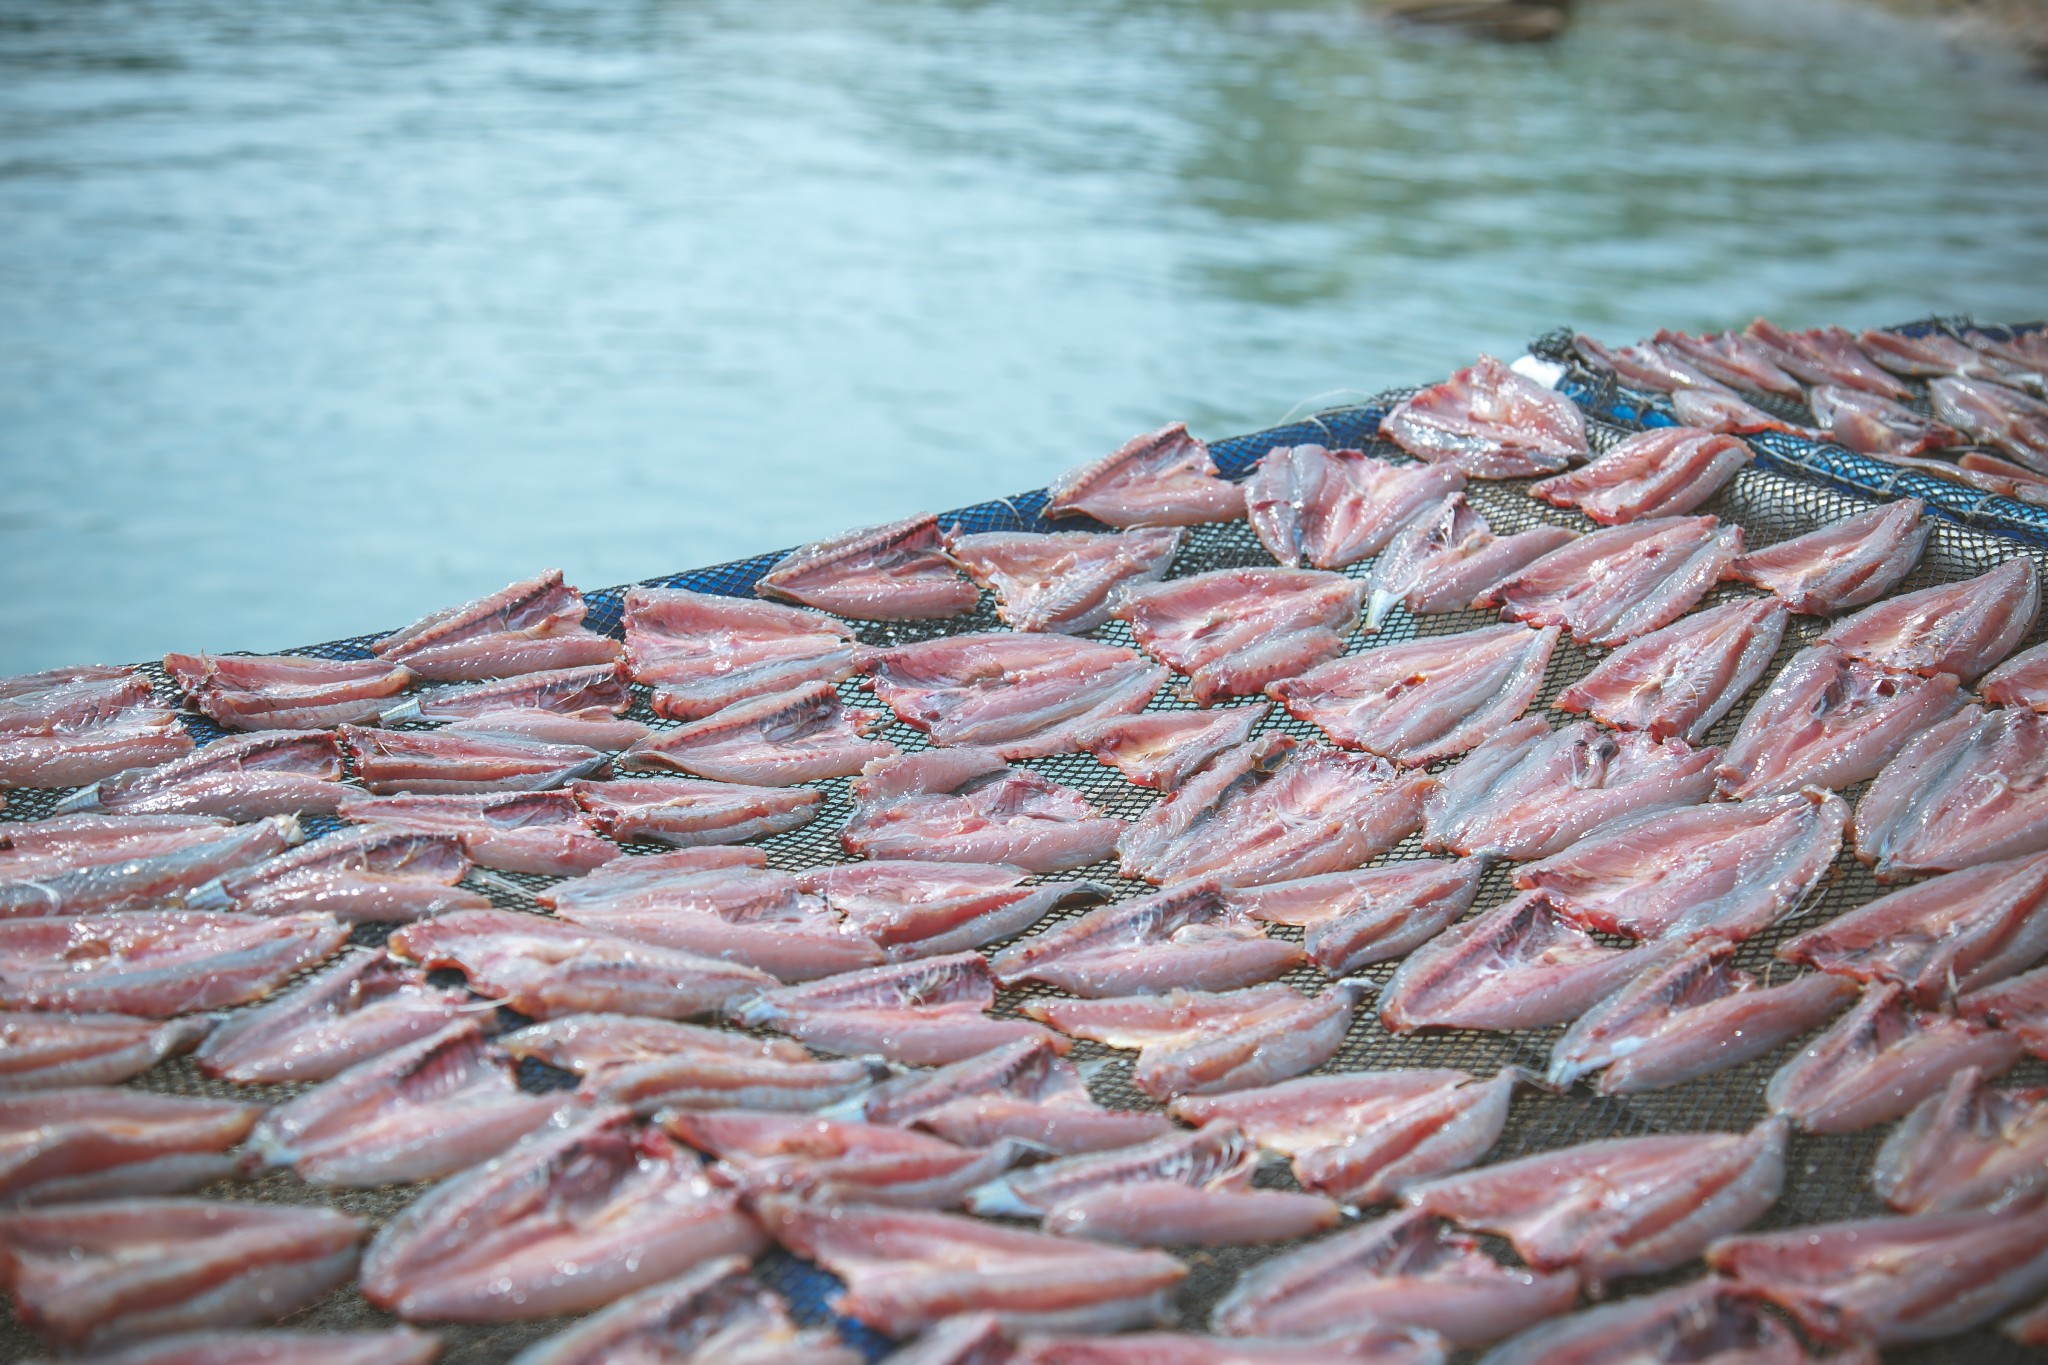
{"x":1826,"y":1177}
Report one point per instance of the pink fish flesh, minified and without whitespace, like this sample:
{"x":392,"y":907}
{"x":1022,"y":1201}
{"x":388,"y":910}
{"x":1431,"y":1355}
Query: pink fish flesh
{"x":1965,"y":792}
{"x":1824,"y":355}
{"x":1870,"y":425}
{"x":1927,"y":355}
{"x":1690,"y":1016}
{"x":1613,"y":585}
{"x":45,"y":1051}
{"x":1375,"y":914}
{"x":926,"y":1013}
{"x":133,"y":874}
{"x":241,"y":777}
{"x":1730,"y":358}
{"x":1232,"y":631}
{"x":1366,"y":1137}
{"x":1967,"y":1147}
{"x":1940,"y":937}
{"x":59,"y":1146}
{"x":1845,"y":564}
{"x":2021,"y":680}
{"x":686,"y":811}
{"x":775,"y":740}
{"x":1426,"y":700}
{"x":713,"y":1313}
{"x":1446,"y":556}
{"x":1272,"y":810}
{"x":534,"y":624}
{"x":2009,"y":421}
{"x":1195,"y":1043}
{"x":919,"y":909}
{"x":1880,"y":1060}
{"x":906,"y":1269}
{"x":2023,"y":354}
{"x":69,"y":706}
{"x":569,"y":1218}
{"x":1660,"y":472}
{"x":1961,"y":628}
{"x":1829,"y":720}
{"x":399,"y":1346}
{"x":595,"y":728}
{"x":542,"y":832}
{"x":362,"y":1008}
{"x":1490,"y":422}
{"x":376,"y":873}
{"x":65,"y":841}
{"x":29,"y":685}
{"x":1719,"y":410}
{"x":123,"y":1269}
{"x":286,"y":691}
{"x":594,"y":690}
{"x":1366,"y":1346}
{"x":1708,"y":1321}
{"x":1891,"y":1280}
{"x":653,"y":1064}
{"x":425,"y":1110}
{"x":1645,"y":365}
{"x":132,"y":742}
{"x":1530,"y":791}
{"x":967,"y":805}
{"x":1620,"y":1207}
{"x":1163,"y":749}
{"x":2029,"y":1328}
{"x":1404,"y":1270}
{"x":1190,"y":937}
{"x":1337,"y":507}
{"x":838,"y":1160}
{"x":896,"y":572}
{"x":2018,"y":1005}
{"x":157,"y":962}
{"x":1023,"y":695}
{"x":1163,"y":478}
{"x":702,"y":652}
{"x":447,"y":762}
{"x":1679,"y":680}
{"x":1065,"y":581}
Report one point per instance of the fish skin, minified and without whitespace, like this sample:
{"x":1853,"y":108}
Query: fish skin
{"x":1824,"y":355}
{"x":1967,"y":1146}
{"x":1892,"y":1280}
{"x":546,"y":968}
{"x":132,"y":875}
{"x":2012,"y":422}
{"x":1368,"y":1346}
{"x":1679,"y":680}
{"x":917,"y":909}
{"x":99,"y":1142}
{"x":1061,"y":581}
{"x":1659,"y":1010}
{"x":685,"y":812}
{"x":28,"y":684}
{"x":565,"y":692}
{"x":1445,"y":556}
{"x":1848,"y":563}
{"x":2023,"y":355}
{"x":1961,"y":628}
{"x":398,"y":1346}
{"x":240,"y":777}
{"x":1871,"y":425}
{"x":372,"y":873}
{"x":136,"y":741}
{"x":1364,"y":1138}
{"x":1407,"y":1269}
{"x":702,"y":652}
{"x":362,"y":1007}
{"x":2021,"y":680}
{"x":652,"y":1064}
{"x":1024,"y":696}
{"x":1941,"y":937}
{"x":1375,"y":914}
{"x":1425,"y":700}
{"x":157,"y":963}
{"x":894,"y":572}
{"x":2018,"y":1005}
{"x":1707,"y":1320}
{"x":1926,"y":356}
{"x":1829,"y":720}
{"x":966,"y":805}
{"x":839,"y":1160}
{"x":1880,"y":1060}
{"x":714,"y":1314}
{"x":595,"y":728}
{"x":906,"y":1269}
{"x":1336,"y":507}
{"x":543,"y":832}
{"x":285,"y":691}
{"x":1489,"y":422}
{"x":1529,"y":791}
{"x":1703,"y":1040}
{"x":1621,"y":1206}
{"x":1645,"y":365}
{"x":1729,"y":413}
{"x":1189,"y":937}
{"x":1232,"y":631}
{"x":1731,"y":358}
{"x":68,"y":706}
{"x":1663,"y":471}
{"x":1608,"y":587}
{"x":926,"y":1013}
{"x":1163,"y":749}
{"x":41,"y":1051}
{"x":1726,"y":868}
{"x":571,"y":1217}
{"x":524,"y":627}
{"x":118,"y":1270}
{"x":446,"y":763}
{"x":427,"y":1109}
{"x":776,"y":740}
{"x":1962,"y":793}
{"x":1275,"y":809}
{"x":1162,"y":478}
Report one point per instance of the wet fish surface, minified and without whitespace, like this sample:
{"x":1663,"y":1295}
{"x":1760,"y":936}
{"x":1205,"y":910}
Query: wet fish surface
{"x":534,"y":624}
{"x":967,"y":805}
{"x":46,"y":1050}
{"x":157,"y":963}
{"x":2018,"y":1006}
{"x":240,"y":777}
{"x":399,"y":1346}
{"x":70,"y":726}
{"x":1679,"y":680}
{"x":1962,"y":793}
{"x":104,"y":1142}
{"x":542,"y":832}
{"x":363,"y":1007}
{"x":1446,"y":556}
{"x":1615,"y":584}
{"x":1333,"y":508}
{"x":1968,"y":1146}
{"x":2021,"y":680}
{"x":1163,"y":749}
{"x":2003,"y":418}
{"x":1664,"y":471}
{"x":1847,"y":563}
{"x":1232,"y":631}
{"x":1024,"y":696}
{"x":450,"y":762}
{"x":1823,"y":355}
{"x":1367,"y":1346}
{"x":685,"y":812}
{"x":155,"y":869}
{"x":702,"y":652}
{"x":919,"y":909}
{"x":1733,"y":359}
{"x":1708,"y":1320}
{"x":897,"y":572}
{"x":1163,"y":478}
{"x":652,"y":1064}
{"x":924,"y":1013}
{"x":840,"y":1160}
{"x":1489,"y":422}
{"x":1063,"y":581}
{"x":377,"y":873}
{"x":1191,"y":937}
{"x":1961,"y":628}
{"x":285,"y":691}
{"x":1375,"y":914}
{"x":1829,"y":720}
{"x":1873,"y":425}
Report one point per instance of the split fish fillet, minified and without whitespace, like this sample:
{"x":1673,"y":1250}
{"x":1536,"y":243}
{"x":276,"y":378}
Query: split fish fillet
{"x":2021,"y":680}
{"x":1336,"y":507}
{"x":1829,"y":720}
{"x":1967,"y":1146}
{"x":897,"y":572}
{"x":1354,"y":919}
{"x":1880,"y":1060}
{"x":2012,"y":422}
{"x":1489,"y":422}
{"x":967,"y":805}
{"x":1615,"y":584}
{"x":543,"y":832}
{"x":1679,"y":680}
{"x":1163,"y":749}
{"x":775,"y":740}
{"x":840,"y":1161}
{"x":60,"y":1146}
{"x":452,"y":762}
{"x":534,"y":624}
{"x":1733,"y":359}
{"x":1848,"y":563}
{"x":1661,"y":472}
{"x":1023,"y":695}
{"x":702,"y":652}
{"x":152,"y":871}
{"x":2018,"y":1006}
{"x":685,"y":811}
{"x":1367,"y":1346}
{"x":1163,"y":478}
{"x":1706,"y":1322}
{"x":925,"y":1013}
{"x":240,"y":777}
{"x":1963,"y":793}
{"x":157,"y":963}
{"x":1961,"y":628}
{"x":1871,"y":425}
{"x":398,"y":1346}
{"x":920,"y":909}
{"x":1446,"y":556}
{"x":363,"y":1007}
{"x":1062,"y":581}
{"x":1823,"y":355}
{"x":1191,"y":937}
{"x":1232,"y":631}
{"x":375,"y":873}
{"x":48,"y":1051}
{"x":653,"y":1064}
{"x":285,"y":691}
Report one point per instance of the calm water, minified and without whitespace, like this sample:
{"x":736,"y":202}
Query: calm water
{"x":314,"y":317}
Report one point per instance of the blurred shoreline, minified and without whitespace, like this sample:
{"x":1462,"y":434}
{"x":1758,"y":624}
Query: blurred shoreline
{"x":2008,"y":28}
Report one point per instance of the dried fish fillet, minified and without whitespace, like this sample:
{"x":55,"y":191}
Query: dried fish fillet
{"x":1337,"y":507}
{"x":544,"y":832}
{"x":47,"y":1051}
{"x":2021,"y":680}
{"x":399,"y":1346}
{"x":920,"y":909}
{"x":1679,"y":680}
{"x":1490,"y":422}
{"x":896,"y":572}
{"x":452,"y":762}
{"x":154,"y":870}
{"x":1708,"y":1321}
{"x":2001,"y":417}
{"x":362,"y":1008}
{"x":1828,"y":720}
{"x":702,"y":652}
{"x":685,"y":812}
{"x":1967,"y":1147}
{"x":1191,"y":937}
{"x":839,"y":1160}
{"x":1163,"y":478}
{"x":534,"y":624}
{"x":1962,"y":793}
{"x":1848,"y":563}
{"x":1446,"y":556}
{"x":1613,"y":585}
{"x":1375,"y":914}
{"x":1872,"y":425}
{"x":60,"y":1146}
{"x":1163,"y":749}
{"x":1823,"y":355}
{"x":1961,"y":628}
{"x":1024,"y":696}
{"x":1232,"y":631}
{"x":241,"y":777}
{"x":967,"y":805}
{"x":654,"y":1064}
{"x":926,"y":1013}
{"x":374,"y":873}
{"x":286,"y":691}
{"x":157,"y":963}
{"x":1063,"y":581}
{"x":1663,"y":471}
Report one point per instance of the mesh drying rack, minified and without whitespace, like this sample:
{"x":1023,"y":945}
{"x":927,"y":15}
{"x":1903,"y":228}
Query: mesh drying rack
{"x":1773,"y":499}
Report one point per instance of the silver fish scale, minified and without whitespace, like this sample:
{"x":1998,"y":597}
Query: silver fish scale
{"x":1826,"y":1176}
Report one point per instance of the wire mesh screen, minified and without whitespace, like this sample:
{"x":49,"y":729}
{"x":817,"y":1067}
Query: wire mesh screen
{"x":1827,"y":1176}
